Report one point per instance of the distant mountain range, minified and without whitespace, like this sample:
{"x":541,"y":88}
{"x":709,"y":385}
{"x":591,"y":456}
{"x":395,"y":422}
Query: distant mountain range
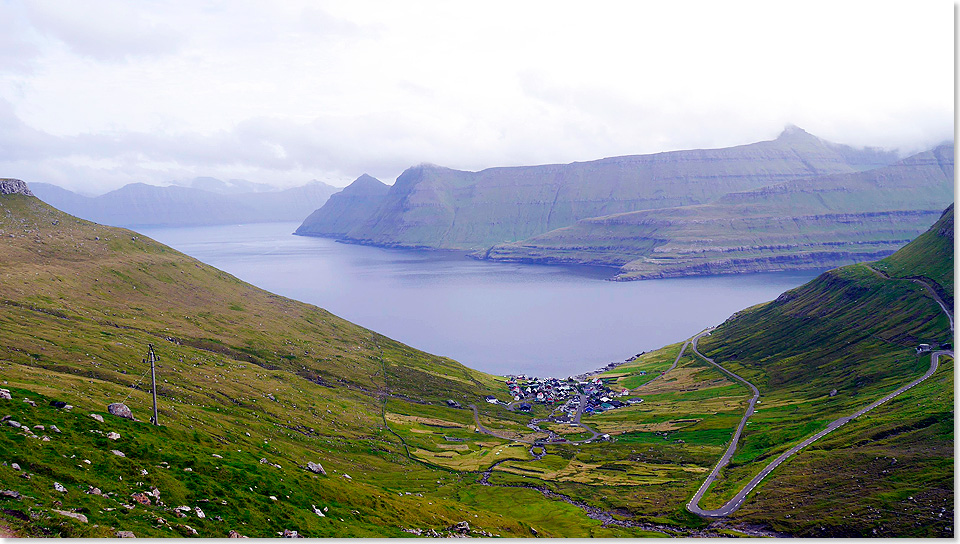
{"x":217,"y":203}
{"x":435,"y":207}
{"x":794,"y":202}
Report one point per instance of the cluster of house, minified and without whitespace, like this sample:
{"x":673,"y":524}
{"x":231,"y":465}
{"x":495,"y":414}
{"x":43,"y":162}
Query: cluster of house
{"x":545,"y":390}
{"x":600,"y":398}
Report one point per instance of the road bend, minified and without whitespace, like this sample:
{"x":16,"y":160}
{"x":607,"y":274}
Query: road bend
{"x":737,"y":501}
{"x":694,"y":504}
{"x":733,"y":504}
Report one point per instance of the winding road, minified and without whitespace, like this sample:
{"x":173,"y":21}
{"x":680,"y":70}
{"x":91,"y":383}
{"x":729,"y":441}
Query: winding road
{"x":484,"y":430}
{"x":694,"y":504}
{"x":737,"y":501}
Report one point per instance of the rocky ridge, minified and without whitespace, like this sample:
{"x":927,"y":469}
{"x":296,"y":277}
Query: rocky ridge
{"x":10,"y":186}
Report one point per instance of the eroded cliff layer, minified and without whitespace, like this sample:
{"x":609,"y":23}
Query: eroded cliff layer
{"x":819,"y":222}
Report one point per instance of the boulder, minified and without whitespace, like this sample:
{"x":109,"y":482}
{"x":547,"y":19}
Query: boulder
{"x":14,"y":423}
{"x":317,"y":511}
{"x":57,"y":403}
{"x":120,"y":410}
{"x":98,"y":417}
{"x":118,"y":453}
{"x":4,"y":394}
{"x":141,"y":498}
{"x":79,"y":517}
{"x":316,"y":468}
{"x":287,"y":533}
{"x":9,"y":494}
{"x":199,"y":512}
{"x":15,"y":466}
{"x":59,"y":487}
{"x":113,"y":436}
{"x":463,"y":528}
{"x":125,"y":534}
{"x":55,"y":429}
{"x":234,"y":534}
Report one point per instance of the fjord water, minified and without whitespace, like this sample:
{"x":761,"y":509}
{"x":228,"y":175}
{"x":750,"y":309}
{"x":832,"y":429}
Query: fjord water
{"x":497,"y":317}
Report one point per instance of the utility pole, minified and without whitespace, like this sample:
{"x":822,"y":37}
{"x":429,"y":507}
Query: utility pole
{"x":153,"y":376}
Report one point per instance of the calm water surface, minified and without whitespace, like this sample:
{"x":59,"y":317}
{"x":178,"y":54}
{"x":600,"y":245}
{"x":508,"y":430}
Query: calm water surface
{"x":496,"y":317}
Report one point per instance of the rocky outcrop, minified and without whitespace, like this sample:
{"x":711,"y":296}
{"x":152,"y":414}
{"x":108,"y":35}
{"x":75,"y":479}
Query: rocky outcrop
{"x":10,"y":186}
{"x":435,"y":207}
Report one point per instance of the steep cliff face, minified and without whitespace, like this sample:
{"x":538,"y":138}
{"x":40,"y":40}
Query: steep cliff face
{"x":344,"y":210}
{"x":817,"y":222}
{"x":430,"y":206}
{"x":139,"y":204}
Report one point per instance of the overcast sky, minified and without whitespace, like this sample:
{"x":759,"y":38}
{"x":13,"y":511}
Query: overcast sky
{"x":96,"y":94}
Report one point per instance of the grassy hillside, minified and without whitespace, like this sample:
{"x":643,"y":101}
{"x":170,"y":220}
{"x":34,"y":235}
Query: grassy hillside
{"x":246,"y":376}
{"x":822,"y":351}
{"x":243,"y":374}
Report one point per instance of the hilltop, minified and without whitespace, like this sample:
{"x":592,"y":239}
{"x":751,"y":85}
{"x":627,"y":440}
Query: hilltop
{"x":436,"y":207}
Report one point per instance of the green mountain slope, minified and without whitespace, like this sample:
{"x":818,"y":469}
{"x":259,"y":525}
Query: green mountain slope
{"x":819,"y":222}
{"x":243,"y":374}
{"x":820,"y":352}
{"x":345,"y":209}
{"x":431,"y":206}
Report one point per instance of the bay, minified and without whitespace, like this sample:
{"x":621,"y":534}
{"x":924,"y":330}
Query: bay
{"x":497,"y":317}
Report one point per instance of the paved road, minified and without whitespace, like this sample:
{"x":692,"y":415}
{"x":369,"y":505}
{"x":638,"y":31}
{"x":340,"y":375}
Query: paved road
{"x":937,"y":298}
{"x":694,"y":504}
{"x":930,"y":290}
{"x":735,"y":503}
{"x":738,"y":499}
{"x":484,"y":430}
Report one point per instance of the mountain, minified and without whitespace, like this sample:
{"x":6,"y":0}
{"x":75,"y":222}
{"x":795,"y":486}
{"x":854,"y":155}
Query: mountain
{"x":139,"y":204}
{"x":343,"y":210}
{"x":436,"y":207}
{"x":811,"y":223}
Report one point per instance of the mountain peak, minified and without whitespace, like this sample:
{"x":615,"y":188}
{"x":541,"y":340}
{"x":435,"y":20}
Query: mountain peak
{"x":792,"y":131}
{"x":366,"y":185}
{"x":10,"y":186}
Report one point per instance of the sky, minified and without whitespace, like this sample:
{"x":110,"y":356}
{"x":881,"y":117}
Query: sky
{"x":95,"y":94}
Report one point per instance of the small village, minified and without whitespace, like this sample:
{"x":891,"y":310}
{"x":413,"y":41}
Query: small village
{"x":571,"y":397}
